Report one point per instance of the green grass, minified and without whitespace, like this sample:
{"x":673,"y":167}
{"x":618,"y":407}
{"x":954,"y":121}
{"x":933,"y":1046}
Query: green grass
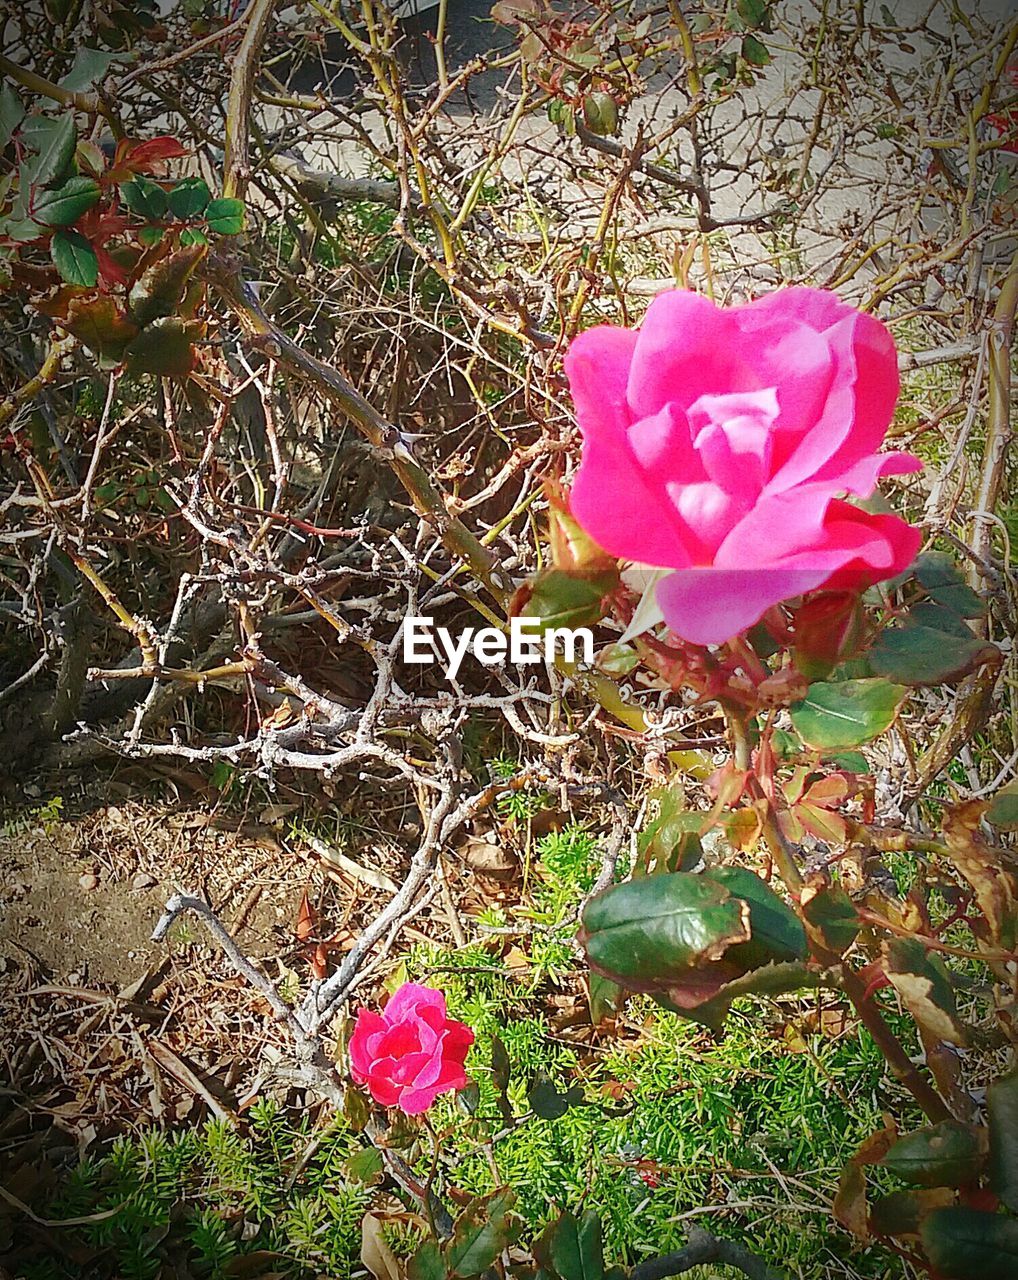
{"x":737,"y":1133}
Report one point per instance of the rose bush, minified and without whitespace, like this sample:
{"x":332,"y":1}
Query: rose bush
{"x":718,"y":443}
{"x":411,"y":1052}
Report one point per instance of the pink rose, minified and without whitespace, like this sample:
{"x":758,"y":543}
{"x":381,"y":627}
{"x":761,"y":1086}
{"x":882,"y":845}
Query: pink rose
{"x":411,"y":1052}
{"x":716,"y":443}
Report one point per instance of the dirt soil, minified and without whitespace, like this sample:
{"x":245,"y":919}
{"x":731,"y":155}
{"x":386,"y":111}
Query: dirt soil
{"x":102,"y":1031}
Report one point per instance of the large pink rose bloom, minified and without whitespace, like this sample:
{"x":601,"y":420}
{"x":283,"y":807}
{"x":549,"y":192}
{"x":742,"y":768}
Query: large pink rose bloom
{"x":718,"y":442}
{"x":411,"y":1052}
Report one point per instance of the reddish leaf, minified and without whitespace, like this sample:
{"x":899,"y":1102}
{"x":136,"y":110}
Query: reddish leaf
{"x":102,"y":326}
{"x":305,"y":925}
{"x":147,"y":157}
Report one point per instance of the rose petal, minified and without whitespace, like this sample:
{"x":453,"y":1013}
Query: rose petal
{"x":409,"y":997}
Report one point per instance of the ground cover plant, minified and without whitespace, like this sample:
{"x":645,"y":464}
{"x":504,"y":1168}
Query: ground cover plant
{"x":685,"y":325}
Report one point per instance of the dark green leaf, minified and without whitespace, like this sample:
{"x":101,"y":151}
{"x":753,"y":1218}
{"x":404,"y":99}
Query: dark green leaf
{"x":225,"y":217}
{"x":851,"y":761}
{"x":427,"y":1263}
{"x":902,"y":1212}
{"x":1002,"y":1120}
{"x":771,"y":980}
{"x":941,"y":577}
{"x":150,"y":235}
{"x":189,"y":198}
{"x":365,"y":1166}
{"x":469,"y":1097}
{"x":1003,"y":810}
{"x":649,"y":932}
{"x":933,"y":647}
{"x":11,"y":114}
{"x":831,"y":920}
{"x":846,"y":713}
{"x":752,"y":12}
{"x":966,"y":1244}
{"x":23,"y":230}
{"x":568,"y":599}
{"x":74,"y":258}
{"x":572,"y":1247}
{"x":776,"y":932}
{"x":923,"y":982}
{"x":191,"y":235}
{"x":482,"y":1231}
{"x":163,"y":348}
{"x":671,"y":841}
{"x":501,"y":1072}
{"x":88,"y":68}
{"x":604,"y":997}
{"x":52,"y":140}
{"x":755,"y":51}
{"x":546,"y":1101}
{"x":145,"y":198}
{"x":941,"y":1155}
{"x":63,"y":206}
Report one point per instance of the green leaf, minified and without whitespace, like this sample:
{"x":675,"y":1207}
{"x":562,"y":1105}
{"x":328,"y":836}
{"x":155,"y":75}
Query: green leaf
{"x":145,"y":198}
{"x":847,"y":713}
{"x":944,"y":583}
{"x":967,"y":1244}
{"x":427,"y":1263}
{"x":1002,"y":1120}
{"x":771,"y":980}
{"x":225,"y":217}
{"x":776,"y":932}
{"x":1003,"y":810}
{"x":23,"y":230}
{"x":482,"y":1231}
{"x":88,"y":68}
{"x":618,"y":659}
{"x":831,"y":920}
{"x":572,"y":1247}
{"x":163,"y":348}
{"x":941,"y":1155}
{"x":546,"y":1101}
{"x":934,"y":646}
{"x":52,"y":140}
{"x":755,"y":51}
{"x":649,"y":932}
{"x":161,"y":287}
{"x":365,"y":1166}
{"x":850,"y":761}
{"x":561,"y":598}
{"x":671,"y":841}
{"x":752,"y":12}
{"x":12,"y":112}
{"x":65,"y":205}
{"x":501,"y":1074}
{"x":923,"y":982}
{"x":150,"y":235}
{"x":189,"y":198}
{"x":604,"y":997}
{"x":74,"y":258}
{"x":902,"y":1212}
{"x":191,"y":235}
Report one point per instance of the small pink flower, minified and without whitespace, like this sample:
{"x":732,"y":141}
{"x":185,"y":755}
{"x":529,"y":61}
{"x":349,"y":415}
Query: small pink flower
{"x":411,"y":1052}
{"x":719,"y":443}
